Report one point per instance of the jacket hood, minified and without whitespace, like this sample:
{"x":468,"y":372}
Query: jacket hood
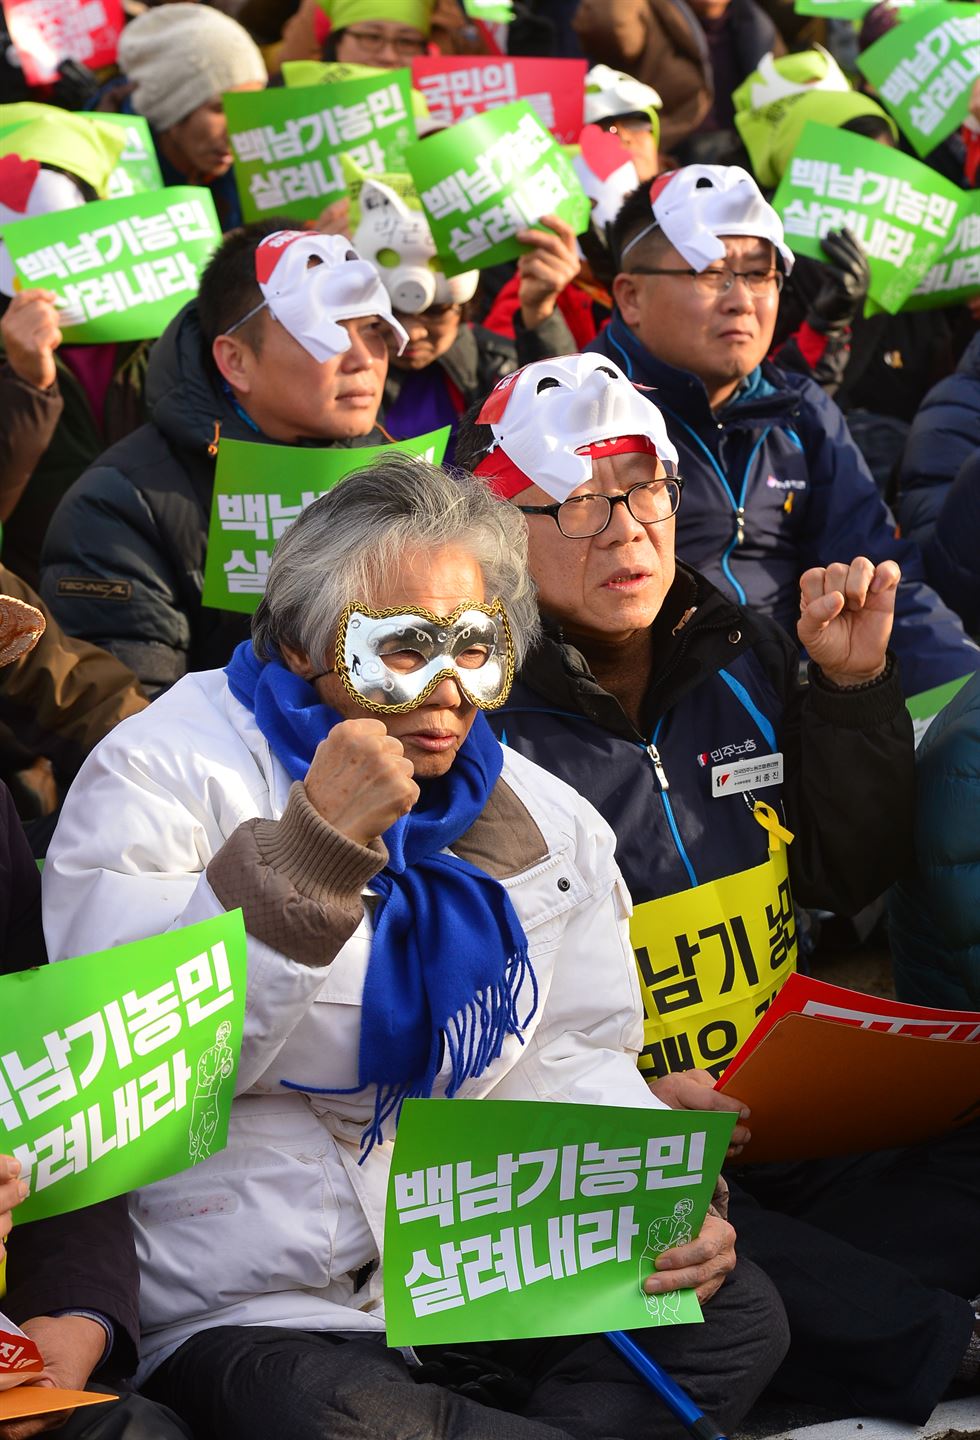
{"x":184,"y":398}
{"x":970,"y":360}
{"x":556,"y":673}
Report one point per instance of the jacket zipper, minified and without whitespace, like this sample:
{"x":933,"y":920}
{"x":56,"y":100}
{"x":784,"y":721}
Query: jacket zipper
{"x":658,"y":768}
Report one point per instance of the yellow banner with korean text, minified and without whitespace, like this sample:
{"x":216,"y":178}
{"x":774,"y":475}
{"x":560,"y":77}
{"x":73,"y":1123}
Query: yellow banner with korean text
{"x":710,"y":960}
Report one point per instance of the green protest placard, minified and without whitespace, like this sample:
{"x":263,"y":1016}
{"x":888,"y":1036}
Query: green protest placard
{"x":138,"y":170}
{"x":287,"y":142}
{"x":258,"y":492}
{"x":485,"y":179}
{"x":955,"y":276}
{"x":512,"y":1219}
{"x":901,"y":211}
{"x":500,"y":12}
{"x":925,"y":706}
{"x":122,"y":268}
{"x":923,"y":71}
{"x":854,"y":9}
{"x":118,"y":1069}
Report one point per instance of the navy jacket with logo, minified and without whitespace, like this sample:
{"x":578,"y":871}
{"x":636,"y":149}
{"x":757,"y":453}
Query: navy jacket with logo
{"x":725,"y":687}
{"x":775,"y":484}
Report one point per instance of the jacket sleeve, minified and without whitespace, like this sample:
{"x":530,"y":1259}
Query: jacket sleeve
{"x":950,"y":552}
{"x":107,"y":579}
{"x":64,"y":695}
{"x":85,"y":1260}
{"x":849,"y":789}
{"x":945,"y":432}
{"x":847,"y":517}
{"x":176,"y":844}
{"x":551,"y":337}
{"x":28,"y":419}
{"x":934,"y":917}
{"x":823,"y":358}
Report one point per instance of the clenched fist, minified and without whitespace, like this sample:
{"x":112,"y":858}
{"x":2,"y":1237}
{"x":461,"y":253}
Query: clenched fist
{"x":31,"y":335}
{"x":360,"y":780}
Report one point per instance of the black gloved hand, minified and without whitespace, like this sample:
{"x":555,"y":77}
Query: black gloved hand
{"x":845,"y":277}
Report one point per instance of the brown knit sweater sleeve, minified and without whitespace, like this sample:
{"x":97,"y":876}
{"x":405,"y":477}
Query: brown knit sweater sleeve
{"x":298,"y":881}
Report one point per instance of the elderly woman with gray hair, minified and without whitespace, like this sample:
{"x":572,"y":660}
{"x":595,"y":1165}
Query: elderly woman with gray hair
{"x":428,"y":913}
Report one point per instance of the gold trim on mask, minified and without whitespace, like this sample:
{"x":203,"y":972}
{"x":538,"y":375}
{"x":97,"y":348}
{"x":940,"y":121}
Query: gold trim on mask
{"x":495,"y":611}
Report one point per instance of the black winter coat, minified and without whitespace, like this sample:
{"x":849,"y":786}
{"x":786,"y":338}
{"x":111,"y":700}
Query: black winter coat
{"x":85,"y":1260}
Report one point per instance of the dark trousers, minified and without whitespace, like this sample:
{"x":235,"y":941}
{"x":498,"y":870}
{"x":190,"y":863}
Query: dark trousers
{"x":248,"y":1383}
{"x":875,"y":1258}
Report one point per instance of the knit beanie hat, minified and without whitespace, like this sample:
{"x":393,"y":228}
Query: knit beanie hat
{"x":417,"y":13}
{"x":181,"y":56}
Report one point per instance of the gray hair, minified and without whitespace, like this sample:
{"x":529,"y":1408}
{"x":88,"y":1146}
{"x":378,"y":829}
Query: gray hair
{"x":348,"y":540}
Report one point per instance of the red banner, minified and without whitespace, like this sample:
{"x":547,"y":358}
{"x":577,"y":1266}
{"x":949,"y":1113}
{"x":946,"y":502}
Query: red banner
{"x":46,"y":32}
{"x":457,"y":88}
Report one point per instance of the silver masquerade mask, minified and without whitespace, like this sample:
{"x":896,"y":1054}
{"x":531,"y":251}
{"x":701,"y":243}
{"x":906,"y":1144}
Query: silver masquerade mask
{"x":392,"y":660}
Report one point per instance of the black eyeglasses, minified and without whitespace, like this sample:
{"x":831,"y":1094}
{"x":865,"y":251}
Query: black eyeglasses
{"x":582,"y":516}
{"x":721,"y":281}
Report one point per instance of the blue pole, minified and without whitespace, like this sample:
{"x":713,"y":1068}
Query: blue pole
{"x":677,"y":1400}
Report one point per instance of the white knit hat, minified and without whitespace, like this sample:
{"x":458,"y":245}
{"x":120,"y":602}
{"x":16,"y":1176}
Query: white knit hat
{"x":181,"y":56}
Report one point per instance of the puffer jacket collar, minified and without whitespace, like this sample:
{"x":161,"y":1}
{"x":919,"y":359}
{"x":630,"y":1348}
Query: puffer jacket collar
{"x":682,"y":393}
{"x":699,"y":644}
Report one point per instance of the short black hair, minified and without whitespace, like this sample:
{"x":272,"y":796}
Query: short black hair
{"x":872,"y":127}
{"x":635,"y":214}
{"x":472,"y":440}
{"x":228,"y":288}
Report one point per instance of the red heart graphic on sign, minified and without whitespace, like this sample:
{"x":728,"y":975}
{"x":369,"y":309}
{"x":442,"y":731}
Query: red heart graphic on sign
{"x":17,"y":179}
{"x":603,"y":152}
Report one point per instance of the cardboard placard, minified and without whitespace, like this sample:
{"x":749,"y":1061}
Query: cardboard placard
{"x":458,"y":87}
{"x":511,"y":1219}
{"x":118,"y":1068}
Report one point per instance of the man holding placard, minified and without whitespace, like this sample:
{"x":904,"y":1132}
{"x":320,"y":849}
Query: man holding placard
{"x":777,"y":483}
{"x":285,"y":344}
{"x":71,"y":1281}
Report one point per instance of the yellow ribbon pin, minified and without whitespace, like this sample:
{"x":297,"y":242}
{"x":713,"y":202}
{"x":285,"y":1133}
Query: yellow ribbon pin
{"x":769,"y":821}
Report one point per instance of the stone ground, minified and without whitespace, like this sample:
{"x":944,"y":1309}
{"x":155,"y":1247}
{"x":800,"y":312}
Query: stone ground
{"x":865,"y":968}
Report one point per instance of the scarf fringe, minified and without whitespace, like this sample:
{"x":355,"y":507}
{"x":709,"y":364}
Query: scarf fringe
{"x":474,"y":1039}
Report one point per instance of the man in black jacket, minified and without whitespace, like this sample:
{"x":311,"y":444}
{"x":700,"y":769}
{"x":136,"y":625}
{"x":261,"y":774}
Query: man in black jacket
{"x":123,"y":560}
{"x":72,"y":1281}
{"x":732,"y":789}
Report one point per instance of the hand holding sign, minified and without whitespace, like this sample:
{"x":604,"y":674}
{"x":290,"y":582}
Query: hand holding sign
{"x":694,"y":1090}
{"x":71,"y":1347}
{"x":12,"y":1192}
{"x":846,"y":616}
{"x":31,"y":335}
{"x":701,"y":1265}
{"x":544,"y":271}
{"x":360,"y":780}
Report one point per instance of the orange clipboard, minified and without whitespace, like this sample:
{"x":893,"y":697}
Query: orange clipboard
{"x":817,"y":1088}
{"x":44,"y":1400}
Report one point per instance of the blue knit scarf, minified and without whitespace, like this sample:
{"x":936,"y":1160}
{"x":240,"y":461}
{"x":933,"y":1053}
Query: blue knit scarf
{"x":448,"y":954}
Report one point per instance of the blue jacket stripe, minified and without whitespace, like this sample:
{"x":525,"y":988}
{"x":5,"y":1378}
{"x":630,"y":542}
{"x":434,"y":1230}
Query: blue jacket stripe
{"x":741,"y":694}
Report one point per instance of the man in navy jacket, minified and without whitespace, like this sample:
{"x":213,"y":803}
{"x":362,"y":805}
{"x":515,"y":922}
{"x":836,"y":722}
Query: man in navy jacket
{"x":775,"y":482}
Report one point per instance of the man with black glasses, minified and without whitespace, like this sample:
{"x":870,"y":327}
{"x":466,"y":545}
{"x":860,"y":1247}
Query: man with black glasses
{"x":777,"y":484}
{"x":735,"y":790}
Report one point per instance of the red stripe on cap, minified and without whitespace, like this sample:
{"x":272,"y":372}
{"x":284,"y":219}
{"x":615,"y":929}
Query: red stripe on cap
{"x":621,"y":445}
{"x":502,"y":475}
{"x":269,"y":252}
{"x":658,"y":186}
{"x":496,"y":402}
